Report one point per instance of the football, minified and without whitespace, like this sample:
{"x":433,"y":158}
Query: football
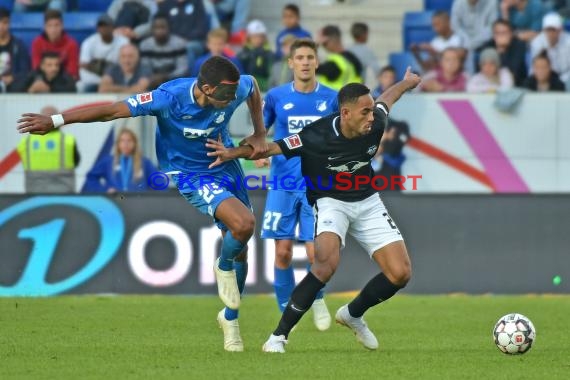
{"x":514,"y":334}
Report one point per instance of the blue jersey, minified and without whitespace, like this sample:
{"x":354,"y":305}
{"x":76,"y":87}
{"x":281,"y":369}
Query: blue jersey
{"x":183,"y":125}
{"x":290,"y":111}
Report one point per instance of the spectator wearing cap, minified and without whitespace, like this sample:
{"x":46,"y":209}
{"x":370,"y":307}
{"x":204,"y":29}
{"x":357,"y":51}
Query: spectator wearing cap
{"x":98,"y":52}
{"x":55,"y":39}
{"x":256,"y":56}
{"x":524,"y":16}
{"x":290,"y":19}
{"x":543,"y":78}
{"x":217,"y":44}
{"x":164,"y":53}
{"x":14,"y":57}
{"x":492,"y":76}
{"x":128,"y":76}
{"x":280,"y":71}
{"x":556,"y":42}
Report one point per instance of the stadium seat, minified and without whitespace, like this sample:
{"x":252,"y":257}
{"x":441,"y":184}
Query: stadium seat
{"x":438,"y":5}
{"x":26,"y":21}
{"x":401,"y":61}
{"x":91,"y":5}
{"x":81,"y":20}
{"x":27,"y":36}
{"x":417,"y":28}
{"x":567,"y":25}
{"x":8,"y":4}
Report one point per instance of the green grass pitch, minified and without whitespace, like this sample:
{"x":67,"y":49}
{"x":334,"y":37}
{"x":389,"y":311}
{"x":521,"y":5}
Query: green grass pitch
{"x":159,"y":337}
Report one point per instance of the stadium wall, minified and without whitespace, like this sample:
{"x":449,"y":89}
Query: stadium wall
{"x":158,"y":244}
{"x":460,"y":143}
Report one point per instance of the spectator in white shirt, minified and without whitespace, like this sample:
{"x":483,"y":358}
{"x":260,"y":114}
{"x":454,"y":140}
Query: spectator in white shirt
{"x":492,"y":76}
{"x":556,"y":42}
{"x":98,"y":52}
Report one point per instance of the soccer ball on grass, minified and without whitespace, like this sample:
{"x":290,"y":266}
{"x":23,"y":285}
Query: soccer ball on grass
{"x":514,"y":334}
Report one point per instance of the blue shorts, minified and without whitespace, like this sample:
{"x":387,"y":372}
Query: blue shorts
{"x":283,"y":211}
{"x":206,"y":191}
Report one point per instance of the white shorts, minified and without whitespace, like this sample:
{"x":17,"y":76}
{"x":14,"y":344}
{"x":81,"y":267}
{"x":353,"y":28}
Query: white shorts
{"x":367,"y":221}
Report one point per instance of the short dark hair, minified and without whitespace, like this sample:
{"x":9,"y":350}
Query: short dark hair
{"x":217,"y":69}
{"x":331,"y":31}
{"x":502,"y":21}
{"x":160,"y":16}
{"x":293,"y":8}
{"x":50,"y":54}
{"x":302,"y":42}
{"x":52,"y":14}
{"x":358,"y":30}
{"x":387,"y":68}
{"x":4,"y":13}
{"x":351,"y":92}
{"x":543,"y":54}
{"x":440,"y":13}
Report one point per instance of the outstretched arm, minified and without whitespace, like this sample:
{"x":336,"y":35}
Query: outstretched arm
{"x":257,"y":139}
{"x":42,"y":124}
{"x":244,"y":151}
{"x":394,"y":92}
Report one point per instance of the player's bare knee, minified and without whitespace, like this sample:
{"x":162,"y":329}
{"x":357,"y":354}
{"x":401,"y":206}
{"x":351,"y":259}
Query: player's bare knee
{"x":244,"y":229}
{"x":323,"y":270}
{"x":401,"y":276}
{"x":283,"y":257}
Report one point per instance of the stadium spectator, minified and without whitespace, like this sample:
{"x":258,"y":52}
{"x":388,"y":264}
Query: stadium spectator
{"x":556,"y":42}
{"x":362,"y":51}
{"x":132,"y":18}
{"x":473,"y":20}
{"x":356,"y":130}
{"x":341,"y":66}
{"x":49,"y":77}
{"x":217,"y":44}
{"x":126,"y":170}
{"x":386,"y":78}
{"x":280,"y":71}
{"x":164,"y":53}
{"x":235,"y":13}
{"x":49,"y":161}
{"x":492,"y":76}
{"x":449,"y":76}
{"x":129,"y":75}
{"x":290,"y":19}
{"x":98,"y":52}
{"x":14,"y":57}
{"x":543,"y":79}
{"x":396,"y":136}
{"x":256,"y":56}
{"x":55,"y":39}
{"x":429,"y":54}
{"x":188,"y":19}
{"x":511,"y":49}
{"x":39,"y":5}
{"x":219,"y":86}
{"x":524,"y":15}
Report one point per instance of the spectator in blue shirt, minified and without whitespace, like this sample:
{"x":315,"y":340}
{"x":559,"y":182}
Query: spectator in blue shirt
{"x":290,"y":18}
{"x":524,"y":15}
{"x":124,"y":171}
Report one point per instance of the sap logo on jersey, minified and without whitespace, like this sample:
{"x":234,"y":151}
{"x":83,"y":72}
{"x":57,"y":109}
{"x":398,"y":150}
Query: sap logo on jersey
{"x":296,"y":123}
{"x":192,"y":133}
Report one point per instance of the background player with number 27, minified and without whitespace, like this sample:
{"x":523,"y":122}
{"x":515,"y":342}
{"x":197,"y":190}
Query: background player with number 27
{"x":291,"y":107}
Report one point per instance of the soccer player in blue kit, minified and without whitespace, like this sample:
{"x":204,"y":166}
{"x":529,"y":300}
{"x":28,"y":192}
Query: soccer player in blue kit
{"x":291,"y":107}
{"x":188,"y":111}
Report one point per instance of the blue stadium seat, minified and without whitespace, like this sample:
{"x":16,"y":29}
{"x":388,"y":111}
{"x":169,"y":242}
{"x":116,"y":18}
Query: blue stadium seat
{"x":438,"y":5}
{"x":27,"y":36}
{"x":8,"y":4}
{"x":27,"y":21}
{"x":567,"y":25}
{"x":417,"y":28}
{"x":93,"y":5}
{"x":81,"y":20}
{"x":401,"y":61}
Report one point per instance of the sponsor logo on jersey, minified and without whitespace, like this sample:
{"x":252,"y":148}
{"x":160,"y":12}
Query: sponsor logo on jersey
{"x":288,"y":106}
{"x":349,"y":167}
{"x":220,"y":118}
{"x":321,"y":105}
{"x":192,"y":133}
{"x":372,"y":150}
{"x":144,"y":98}
{"x":296,"y":123}
{"x":293,"y":141}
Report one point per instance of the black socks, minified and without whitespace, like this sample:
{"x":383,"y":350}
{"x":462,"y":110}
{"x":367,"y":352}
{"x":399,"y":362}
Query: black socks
{"x":377,"y":290}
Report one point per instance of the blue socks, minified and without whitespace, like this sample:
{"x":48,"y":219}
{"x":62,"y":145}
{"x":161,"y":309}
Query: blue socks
{"x":284,"y":283}
{"x":230,"y":249}
{"x":321,"y":292}
{"x":241,"y":274}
